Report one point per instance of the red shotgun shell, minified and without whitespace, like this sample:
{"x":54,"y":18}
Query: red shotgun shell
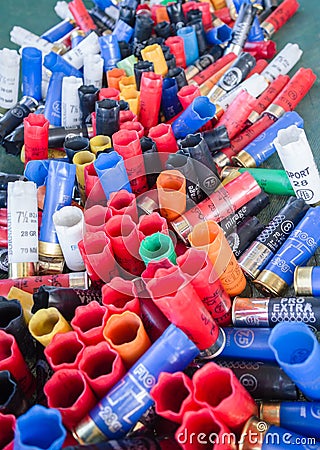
{"x":81,"y":15}
{"x":88,"y":323}
{"x":176,"y":45}
{"x":119,"y":295}
{"x":102,"y":368}
{"x":203,"y":429}
{"x":64,"y":351}
{"x":11,"y":359}
{"x":261,"y":49}
{"x":173,"y":396}
{"x":7,"y":428}
{"x":187,"y":94}
{"x":68,"y":392}
{"x":198,"y":267}
{"x":123,"y":202}
{"x":219,"y":390}
{"x":293,"y":92}
{"x":124,"y":237}
{"x":279,"y":17}
{"x":150,"y":99}
{"x":235,"y":117}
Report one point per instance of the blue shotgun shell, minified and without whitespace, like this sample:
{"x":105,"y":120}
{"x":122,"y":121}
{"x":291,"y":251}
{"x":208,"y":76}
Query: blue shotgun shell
{"x":123,"y":406}
{"x":39,"y":428}
{"x":60,"y":174}
{"x":190,"y":42}
{"x":194,"y":117}
{"x":261,"y":148}
{"x":297,"y":351}
{"x":32,"y":72}
{"x":112,"y":173}
{"x":248,"y":343}
{"x":299,"y":247}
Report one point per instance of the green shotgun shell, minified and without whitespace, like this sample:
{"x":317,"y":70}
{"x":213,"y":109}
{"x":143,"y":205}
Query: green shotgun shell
{"x":127,"y":64}
{"x":272,"y":181}
{"x":157,"y":246}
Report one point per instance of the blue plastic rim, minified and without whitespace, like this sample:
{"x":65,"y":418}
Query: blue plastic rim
{"x":40,"y":428}
{"x":203,"y":108}
{"x":190,"y":41}
{"x":170,"y":103}
{"x":292,"y":343}
{"x":169,"y":83}
{"x":185,"y":32}
{"x":37,"y":171}
{"x":194,"y":117}
{"x":112,"y":173}
{"x":32,"y":53}
{"x":107,"y":161}
{"x":123,"y":31}
{"x":50,"y":60}
{"x":55,"y":63}
{"x":110,"y":51}
{"x":297,"y":351}
{"x":219,"y":35}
